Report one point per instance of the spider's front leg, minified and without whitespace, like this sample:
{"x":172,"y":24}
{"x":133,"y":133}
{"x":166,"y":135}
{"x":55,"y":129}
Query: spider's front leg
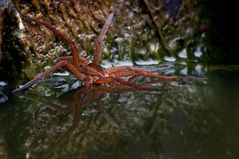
{"x":50,"y":70}
{"x":100,"y":41}
{"x":77,"y":60}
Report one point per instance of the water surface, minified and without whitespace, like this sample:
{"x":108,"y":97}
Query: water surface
{"x":60,"y":119}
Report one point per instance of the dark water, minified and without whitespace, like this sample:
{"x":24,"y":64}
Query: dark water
{"x":190,"y":119}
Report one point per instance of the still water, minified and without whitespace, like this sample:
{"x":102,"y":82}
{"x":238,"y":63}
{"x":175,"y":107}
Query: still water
{"x":60,"y":119}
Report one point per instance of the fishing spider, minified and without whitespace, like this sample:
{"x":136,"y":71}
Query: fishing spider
{"x":92,"y":72}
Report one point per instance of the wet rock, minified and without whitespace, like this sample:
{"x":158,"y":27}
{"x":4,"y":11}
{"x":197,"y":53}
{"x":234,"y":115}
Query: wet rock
{"x":137,"y":25}
{"x":12,"y":50}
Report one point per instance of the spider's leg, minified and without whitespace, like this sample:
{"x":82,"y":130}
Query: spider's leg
{"x":77,"y":60}
{"x":100,"y":41}
{"x":91,"y":71}
{"x":124,"y":82}
{"x":133,"y":78}
{"x":50,"y":70}
{"x":136,"y":86}
{"x":121,"y":71}
{"x":103,"y":80}
{"x":123,"y":74}
{"x":166,"y":78}
{"x":67,"y":58}
{"x":131,"y":68}
{"x":41,"y":76}
{"x":73,"y":69}
{"x":115,"y":69}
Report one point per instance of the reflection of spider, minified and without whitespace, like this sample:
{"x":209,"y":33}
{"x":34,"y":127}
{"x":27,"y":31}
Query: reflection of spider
{"x":92,"y":73}
{"x":74,"y":102}
{"x":79,"y":103}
